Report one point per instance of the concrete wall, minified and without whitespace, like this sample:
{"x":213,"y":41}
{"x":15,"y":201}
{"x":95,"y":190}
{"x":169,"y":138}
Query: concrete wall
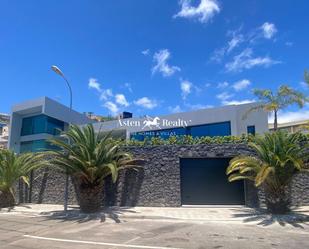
{"x":158,"y":183}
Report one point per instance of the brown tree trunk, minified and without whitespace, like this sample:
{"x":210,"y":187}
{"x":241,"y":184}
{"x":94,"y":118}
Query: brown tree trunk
{"x":7,"y":199}
{"x":276,"y":120}
{"x":90,"y":197}
{"x":277,"y":202}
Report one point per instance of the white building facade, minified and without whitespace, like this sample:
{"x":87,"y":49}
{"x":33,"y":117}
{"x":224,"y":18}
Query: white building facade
{"x":34,"y":122}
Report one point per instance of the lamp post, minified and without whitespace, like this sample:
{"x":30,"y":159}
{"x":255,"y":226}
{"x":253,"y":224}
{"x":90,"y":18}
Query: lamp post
{"x":66,"y":190}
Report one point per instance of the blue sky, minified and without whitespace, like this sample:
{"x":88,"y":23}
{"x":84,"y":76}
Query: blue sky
{"x":152,"y":57}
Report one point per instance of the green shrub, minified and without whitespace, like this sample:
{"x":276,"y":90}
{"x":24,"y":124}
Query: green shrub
{"x":189,"y":140}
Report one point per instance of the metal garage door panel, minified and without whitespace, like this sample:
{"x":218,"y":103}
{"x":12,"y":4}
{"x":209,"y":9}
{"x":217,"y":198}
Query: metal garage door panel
{"x":204,"y":182}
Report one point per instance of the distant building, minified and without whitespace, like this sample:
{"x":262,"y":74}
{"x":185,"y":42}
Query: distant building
{"x":4,"y":130}
{"x":99,"y":118}
{"x":292,"y":127}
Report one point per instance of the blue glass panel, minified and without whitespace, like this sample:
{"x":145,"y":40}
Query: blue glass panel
{"x":251,"y":130}
{"x":41,"y":124}
{"x":26,"y":147}
{"x":165,"y":134}
{"x":26,"y":128}
{"x":142,"y":135}
{"x":36,"y":146}
{"x":54,"y":126}
{"x":211,"y":130}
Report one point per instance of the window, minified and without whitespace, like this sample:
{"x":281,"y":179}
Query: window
{"x":36,"y":146}
{"x":54,"y":126}
{"x":251,"y":129}
{"x":211,"y":130}
{"x":41,"y":124}
{"x":165,"y":134}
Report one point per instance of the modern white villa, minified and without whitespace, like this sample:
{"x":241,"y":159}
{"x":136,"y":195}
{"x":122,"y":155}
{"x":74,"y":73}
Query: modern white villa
{"x":34,"y":122}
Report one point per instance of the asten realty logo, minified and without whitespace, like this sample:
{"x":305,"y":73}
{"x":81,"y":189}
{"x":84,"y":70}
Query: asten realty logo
{"x":154,"y":123}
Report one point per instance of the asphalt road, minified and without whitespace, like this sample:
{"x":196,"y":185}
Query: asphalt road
{"x":24,"y":231}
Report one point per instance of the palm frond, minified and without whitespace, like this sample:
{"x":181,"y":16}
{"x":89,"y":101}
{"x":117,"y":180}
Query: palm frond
{"x":89,"y":155}
{"x":278,"y":156}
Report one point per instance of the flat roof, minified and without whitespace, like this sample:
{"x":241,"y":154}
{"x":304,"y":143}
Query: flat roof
{"x":288,"y":124}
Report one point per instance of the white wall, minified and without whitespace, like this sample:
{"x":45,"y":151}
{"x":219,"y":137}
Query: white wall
{"x":233,"y":113}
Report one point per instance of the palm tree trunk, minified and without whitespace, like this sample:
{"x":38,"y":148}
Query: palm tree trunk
{"x":90,"y":197}
{"x":7,"y":199}
{"x":277,"y":200}
{"x":276,"y":120}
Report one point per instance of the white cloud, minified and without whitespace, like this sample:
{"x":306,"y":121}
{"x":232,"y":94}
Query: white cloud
{"x":160,"y":58}
{"x":128,"y":86}
{"x":218,"y":55}
{"x":242,"y":84}
{"x":237,"y":102}
{"x":146,"y":103}
{"x":174,"y":109}
{"x":234,"y":42}
{"x":223,"y":84}
{"x":289,"y":44}
{"x":289,"y":116}
{"x":121,"y":100}
{"x":186,"y":88}
{"x":198,"y":106}
{"x":106,"y":94}
{"x":146,"y":52}
{"x":304,"y":85}
{"x":269,"y":30}
{"x":112,"y":107}
{"x":94,"y":84}
{"x":208,"y":85}
{"x":244,"y":60}
{"x":202,"y":12}
{"x":224,"y":96}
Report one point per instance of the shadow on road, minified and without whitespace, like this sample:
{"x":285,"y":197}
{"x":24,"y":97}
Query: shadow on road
{"x":75,"y":215}
{"x":294,"y":218}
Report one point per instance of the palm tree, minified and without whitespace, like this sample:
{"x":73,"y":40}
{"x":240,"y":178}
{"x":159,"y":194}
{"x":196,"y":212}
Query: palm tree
{"x":278,"y":157}
{"x":306,"y":76}
{"x":275,"y":102}
{"x":89,"y":158}
{"x":12,"y":168}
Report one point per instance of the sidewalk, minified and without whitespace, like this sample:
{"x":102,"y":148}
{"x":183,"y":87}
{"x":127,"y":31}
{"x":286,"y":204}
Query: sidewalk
{"x":238,"y":214}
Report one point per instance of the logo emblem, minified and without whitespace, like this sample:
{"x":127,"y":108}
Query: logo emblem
{"x":151,"y":123}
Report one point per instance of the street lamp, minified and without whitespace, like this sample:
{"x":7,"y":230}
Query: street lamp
{"x":66,"y":190}
{"x":59,"y":72}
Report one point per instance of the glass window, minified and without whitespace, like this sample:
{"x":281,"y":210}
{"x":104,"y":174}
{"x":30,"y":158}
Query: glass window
{"x":26,"y":128}
{"x":25,"y":147}
{"x":54,"y":126}
{"x":211,"y":130}
{"x":41,"y":124}
{"x":164,"y":134}
{"x":142,"y":135}
{"x":251,"y":129}
{"x":36,"y":146}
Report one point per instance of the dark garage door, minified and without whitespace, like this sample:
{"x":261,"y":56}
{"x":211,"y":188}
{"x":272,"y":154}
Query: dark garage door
{"x":204,"y":182}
